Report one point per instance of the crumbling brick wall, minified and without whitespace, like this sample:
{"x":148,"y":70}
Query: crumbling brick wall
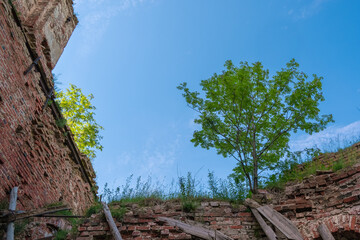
{"x":141,"y":222}
{"x":329,"y":198}
{"x":35,"y":153}
{"x":332,"y":198}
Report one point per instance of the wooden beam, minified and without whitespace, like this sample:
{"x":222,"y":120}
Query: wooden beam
{"x":282,"y":223}
{"x":113,"y":229}
{"x":325,"y":232}
{"x":251,"y":203}
{"x":195,"y":230}
{"x":12,"y":207}
{"x":266,"y":228}
{"x":277,"y":219}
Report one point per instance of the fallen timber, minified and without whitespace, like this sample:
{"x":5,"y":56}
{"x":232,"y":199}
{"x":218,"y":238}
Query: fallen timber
{"x":196,"y":231}
{"x":113,"y":229}
{"x":325,"y":232}
{"x":277,"y":219}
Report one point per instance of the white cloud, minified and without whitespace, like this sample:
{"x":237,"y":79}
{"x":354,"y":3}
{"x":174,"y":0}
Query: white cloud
{"x":307,"y":10}
{"x":154,"y":158}
{"x":95,"y":16}
{"x":331,"y":138}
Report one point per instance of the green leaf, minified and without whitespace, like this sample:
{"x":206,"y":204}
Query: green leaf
{"x":248,"y":115}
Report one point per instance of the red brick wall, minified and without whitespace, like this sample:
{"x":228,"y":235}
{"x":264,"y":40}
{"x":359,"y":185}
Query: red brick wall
{"x":35,"y":154}
{"x":141,"y":222}
{"x":332,"y":199}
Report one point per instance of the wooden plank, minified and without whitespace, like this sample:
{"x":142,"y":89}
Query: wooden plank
{"x":12,"y":207}
{"x":266,"y":228}
{"x":196,"y":230}
{"x":325,"y":232}
{"x":251,"y":203}
{"x":277,"y":219}
{"x":281,"y":222}
{"x":113,"y":229}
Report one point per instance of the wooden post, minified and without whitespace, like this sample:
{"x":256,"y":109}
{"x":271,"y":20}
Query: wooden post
{"x":113,"y":229}
{"x":325,"y":232}
{"x":12,"y":207}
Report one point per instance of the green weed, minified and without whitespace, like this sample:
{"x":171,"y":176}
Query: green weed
{"x":4,"y":204}
{"x":61,"y":122}
{"x":189,"y":205}
{"x":20,"y":226}
{"x":118,"y":213}
{"x":338,"y":165}
{"x":93,"y":209}
{"x":61,"y":235}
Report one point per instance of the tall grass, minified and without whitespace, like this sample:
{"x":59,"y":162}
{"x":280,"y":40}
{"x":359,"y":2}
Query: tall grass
{"x":298,"y":165}
{"x":188,"y":187}
{"x":185,"y":188}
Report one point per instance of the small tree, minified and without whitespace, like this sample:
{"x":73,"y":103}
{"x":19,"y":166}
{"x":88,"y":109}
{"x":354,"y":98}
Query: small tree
{"x":79,"y":114}
{"x":249,"y":116}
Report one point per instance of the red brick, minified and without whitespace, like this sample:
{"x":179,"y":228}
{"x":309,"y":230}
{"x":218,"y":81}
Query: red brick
{"x":351,"y":199}
{"x":39,"y":146}
{"x":236,"y":227}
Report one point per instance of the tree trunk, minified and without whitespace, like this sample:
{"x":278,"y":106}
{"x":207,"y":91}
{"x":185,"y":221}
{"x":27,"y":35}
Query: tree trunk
{"x":255,"y":160}
{"x":255,"y":176}
{"x":255,"y":173}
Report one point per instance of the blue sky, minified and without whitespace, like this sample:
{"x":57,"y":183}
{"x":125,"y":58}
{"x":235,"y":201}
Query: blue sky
{"x":131,"y":54}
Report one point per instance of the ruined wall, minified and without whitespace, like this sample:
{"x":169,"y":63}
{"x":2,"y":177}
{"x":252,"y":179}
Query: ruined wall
{"x":141,"y":222}
{"x":329,"y":198}
{"x":35,"y":153}
{"x":333,"y":199}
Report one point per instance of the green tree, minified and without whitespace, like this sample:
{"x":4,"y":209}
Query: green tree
{"x":248,"y":115}
{"x":79,"y":114}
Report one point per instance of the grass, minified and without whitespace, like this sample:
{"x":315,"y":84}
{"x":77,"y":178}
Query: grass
{"x":94,"y":209}
{"x":61,"y":235}
{"x":189,"y":205}
{"x":20,"y":226}
{"x":4,"y":204}
{"x":295,"y":167}
{"x":189,"y":191}
{"x":187,"y":187}
{"x":75,"y":222}
{"x":300,"y":165}
{"x":338,"y":165}
{"x":118,"y":213}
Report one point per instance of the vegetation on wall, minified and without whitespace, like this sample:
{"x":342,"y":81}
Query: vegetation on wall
{"x":186,"y":188}
{"x":78,"y":113}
